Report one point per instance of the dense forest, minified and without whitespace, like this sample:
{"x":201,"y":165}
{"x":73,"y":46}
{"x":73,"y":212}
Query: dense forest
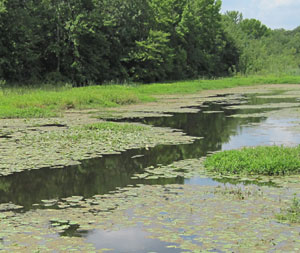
{"x":99,"y":41}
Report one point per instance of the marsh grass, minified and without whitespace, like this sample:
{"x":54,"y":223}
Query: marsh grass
{"x":264,"y":160}
{"x":48,"y":101}
{"x":237,"y":192}
{"x":292,"y":213}
{"x":111,"y":126}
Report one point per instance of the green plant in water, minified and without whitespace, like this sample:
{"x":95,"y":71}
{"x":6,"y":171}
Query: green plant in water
{"x":111,"y":126}
{"x":291,"y":214}
{"x":263,"y":160}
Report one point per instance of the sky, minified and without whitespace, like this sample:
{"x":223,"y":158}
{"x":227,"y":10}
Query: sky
{"x":273,"y":13}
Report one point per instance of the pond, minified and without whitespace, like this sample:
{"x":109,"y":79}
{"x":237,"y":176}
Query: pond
{"x":242,"y":120}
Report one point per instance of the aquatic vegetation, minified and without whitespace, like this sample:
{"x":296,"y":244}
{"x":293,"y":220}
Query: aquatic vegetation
{"x":265,"y":106}
{"x":35,"y":148}
{"x":181,"y":204}
{"x":237,"y":192}
{"x":111,"y":126}
{"x":194,"y":218}
{"x":265,"y":160}
{"x":292,"y":213}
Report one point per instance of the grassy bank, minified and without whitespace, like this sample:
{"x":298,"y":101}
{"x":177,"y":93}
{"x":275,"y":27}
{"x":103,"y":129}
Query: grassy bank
{"x":47,"y":102}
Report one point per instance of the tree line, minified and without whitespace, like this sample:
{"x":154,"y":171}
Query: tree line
{"x":260,"y":49}
{"x":97,"y":41}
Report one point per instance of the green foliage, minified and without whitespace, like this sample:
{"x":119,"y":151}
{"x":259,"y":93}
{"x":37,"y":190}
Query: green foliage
{"x":201,"y":31}
{"x":260,"y":50}
{"x":153,"y":57}
{"x":50,"y":100}
{"x":292,"y":213}
{"x":2,"y":6}
{"x":273,"y":160}
{"x":254,"y":28}
{"x":85,"y":42}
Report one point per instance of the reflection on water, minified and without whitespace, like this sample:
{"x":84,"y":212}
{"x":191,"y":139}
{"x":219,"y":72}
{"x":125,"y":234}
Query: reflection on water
{"x":128,"y":240}
{"x":106,"y":174}
{"x":100,"y":176}
{"x":270,"y":132}
{"x":202,"y":181}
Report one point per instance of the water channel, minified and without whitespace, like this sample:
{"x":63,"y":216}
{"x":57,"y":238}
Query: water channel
{"x":213,"y":122}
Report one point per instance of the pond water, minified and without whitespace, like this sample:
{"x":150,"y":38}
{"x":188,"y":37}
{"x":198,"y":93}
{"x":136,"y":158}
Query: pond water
{"x":214,"y":122}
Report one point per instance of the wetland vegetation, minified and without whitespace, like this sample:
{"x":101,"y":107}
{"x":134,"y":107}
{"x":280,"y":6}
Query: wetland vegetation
{"x":50,"y":101}
{"x":292,"y":213}
{"x":147,"y":126}
{"x":163,"y":194}
{"x":272,"y":160}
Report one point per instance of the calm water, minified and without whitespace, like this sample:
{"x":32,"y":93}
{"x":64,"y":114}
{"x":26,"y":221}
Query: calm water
{"x":100,"y":176}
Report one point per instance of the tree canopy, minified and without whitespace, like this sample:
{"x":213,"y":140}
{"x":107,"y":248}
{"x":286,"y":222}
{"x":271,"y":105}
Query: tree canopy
{"x":98,"y":41}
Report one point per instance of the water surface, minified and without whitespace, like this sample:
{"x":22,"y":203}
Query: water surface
{"x":111,"y":172}
{"x":103,"y":175}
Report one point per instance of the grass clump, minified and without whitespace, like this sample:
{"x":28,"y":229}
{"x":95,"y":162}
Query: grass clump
{"x":292,"y":213}
{"x":263,"y":160}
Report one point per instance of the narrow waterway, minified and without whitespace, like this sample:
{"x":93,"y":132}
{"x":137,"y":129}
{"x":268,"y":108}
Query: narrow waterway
{"x":214,"y":123}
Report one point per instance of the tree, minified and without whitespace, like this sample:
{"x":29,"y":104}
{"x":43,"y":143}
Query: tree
{"x":254,"y":28}
{"x":201,"y":31}
{"x":153,"y":57}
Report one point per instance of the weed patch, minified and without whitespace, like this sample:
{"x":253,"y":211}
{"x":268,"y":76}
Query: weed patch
{"x":265,"y":160}
{"x":292,"y":213}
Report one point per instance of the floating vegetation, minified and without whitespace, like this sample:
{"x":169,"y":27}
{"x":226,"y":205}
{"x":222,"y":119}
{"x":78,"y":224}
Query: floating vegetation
{"x":237,"y":192}
{"x":64,"y":147}
{"x":194,"y":168}
{"x":264,"y":106}
{"x":282,"y":96}
{"x":237,"y":215}
{"x":212,"y":112}
{"x":292,"y":213}
{"x":5,"y":133}
{"x":195,"y":218}
{"x":111,"y":115}
{"x":9,"y":207}
{"x":185,"y":168}
{"x":248,"y":115}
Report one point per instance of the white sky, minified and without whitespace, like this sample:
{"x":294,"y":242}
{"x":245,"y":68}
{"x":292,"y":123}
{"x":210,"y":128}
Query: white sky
{"x":273,"y":13}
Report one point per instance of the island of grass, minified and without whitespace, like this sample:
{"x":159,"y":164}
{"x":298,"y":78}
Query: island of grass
{"x":262,"y":160}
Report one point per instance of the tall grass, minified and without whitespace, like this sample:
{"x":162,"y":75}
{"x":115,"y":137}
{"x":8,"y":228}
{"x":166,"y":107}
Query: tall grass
{"x":48,"y":101}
